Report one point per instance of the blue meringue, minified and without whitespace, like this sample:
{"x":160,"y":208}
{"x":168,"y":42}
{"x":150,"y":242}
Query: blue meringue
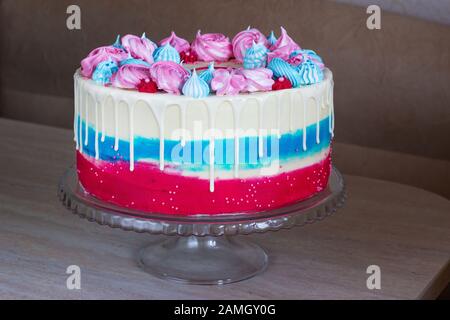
{"x":310,"y":73}
{"x":195,"y":87}
{"x":104,"y":70}
{"x":255,"y":56}
{"x":208,"y":74}
{"x":271,"y":38}
{"x":281,"y":68}
{"x":166,"y":53}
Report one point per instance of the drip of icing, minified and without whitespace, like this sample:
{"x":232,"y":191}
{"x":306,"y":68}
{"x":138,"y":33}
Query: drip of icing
{"x":305,"y":105}
{"x":228,"y":82}
{"x":195,"y":87}
{"x":103,"y":120}
{"x":255,"y":56}
{"x":131,"y":126}
{"x":166,"y":53}
{"x":116,"y":126}
{"x":87,"y":122}
{"x":97,"y":155}
{"x":318,"y":120}
{"x":281,"y":68}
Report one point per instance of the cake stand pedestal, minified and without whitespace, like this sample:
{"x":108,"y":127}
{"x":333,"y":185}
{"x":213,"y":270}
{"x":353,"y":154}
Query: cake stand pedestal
{"x":202,"y":249}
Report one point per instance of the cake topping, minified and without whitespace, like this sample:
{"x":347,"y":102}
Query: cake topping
{"x":271,"y":38}
{"x":299,"y":56}
{"x":212,"y":47}
{"x":283,"y":47}
{"x":255,"y":56}
{"x":208,"y":74}
{"x":259,"y":79}
{"x":178,"y":43}
{"x":130,"y":74}
{"x":282,"y":83}
{"x":169,"y":76}
{"x":98,"y":55}
{"x":228,"y":82}
{"x":188,"y":56}
{"x":281,"y":68}
{"x":245,"y":39}
{"x":104,"y":71}
{"x":166,"y":53}
{"x":147,"y":85}
{"x":261,"y":64}
{"x":310,"y":73}
{"x":196,"y":87}
{"x":139,"y":47}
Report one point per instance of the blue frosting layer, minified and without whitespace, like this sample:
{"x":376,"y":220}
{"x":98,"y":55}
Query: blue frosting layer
{"x":195,"y":154}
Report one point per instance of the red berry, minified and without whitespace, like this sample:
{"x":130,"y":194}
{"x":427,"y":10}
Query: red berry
{"x":147,"y":85}
{"x":282,"y":83}
{"x":188,"y":56}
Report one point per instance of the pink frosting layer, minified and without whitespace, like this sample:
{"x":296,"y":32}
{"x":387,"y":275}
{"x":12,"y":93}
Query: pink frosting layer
{"x":169,"y":76}
{"x":283,"y":47}
{"x":212,"y":47}
{"x":130,"y":75}
{"x":244,"y":40}
{"x":178,"y":43}
{"x":151,"y":190}
{"x":98,"y":55}
{"x":139,"y":47}
{"x":228,"y":82}
{"x":259,"y":79}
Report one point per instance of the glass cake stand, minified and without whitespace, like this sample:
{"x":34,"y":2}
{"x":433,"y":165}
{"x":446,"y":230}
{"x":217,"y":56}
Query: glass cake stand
{"x":202,"y":249}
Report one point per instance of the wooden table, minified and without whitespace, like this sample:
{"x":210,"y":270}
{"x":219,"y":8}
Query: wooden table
{"x":403,"y":230}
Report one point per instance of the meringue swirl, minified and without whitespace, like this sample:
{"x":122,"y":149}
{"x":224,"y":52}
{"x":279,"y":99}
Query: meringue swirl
{"x":130,"y":74}
{"x":255,"y":56}
{"x":272,"y":39}
{"x":104,"y":71}
{"x":169,"y":76}
{"x":244,"y":40}
{"x":299,"y":56}
{"x":283,"y":47}
{"x":98,"y":55}
{"x":208,"y":74}
{"x":212,"y":47}
{"x":228,"y":82}
{"x":178,"y":43}
{"x":259,"y":79}
{"x":281,"y":68}
{"x":195,"y":87}
{"x":139,"y":47}
{"x":166,"y":53}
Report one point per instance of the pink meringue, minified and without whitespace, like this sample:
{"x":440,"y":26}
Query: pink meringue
{"x":244,"y":40}
{"x":228,"y":82}
{"x":259,"y":79}
{"x":130,"y":75}
{"x":180,"y":44}
{"x":98,"y":55}
{"x":212,"y":47}
{"x":139,"y":47}
{"x":169,"y":76}
{"x":283,"y":47}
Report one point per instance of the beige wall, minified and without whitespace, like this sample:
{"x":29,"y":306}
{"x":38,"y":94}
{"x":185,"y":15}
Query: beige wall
{"x":391,"y":85}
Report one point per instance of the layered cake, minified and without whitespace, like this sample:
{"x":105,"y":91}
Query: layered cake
{"x":216,"y":126}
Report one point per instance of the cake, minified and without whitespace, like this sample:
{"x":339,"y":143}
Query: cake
{"x":217,"y":126}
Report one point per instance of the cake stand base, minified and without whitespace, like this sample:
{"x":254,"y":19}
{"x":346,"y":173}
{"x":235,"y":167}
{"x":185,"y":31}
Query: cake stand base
{"x":203,"y":260}
{"x":201,"y":249}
